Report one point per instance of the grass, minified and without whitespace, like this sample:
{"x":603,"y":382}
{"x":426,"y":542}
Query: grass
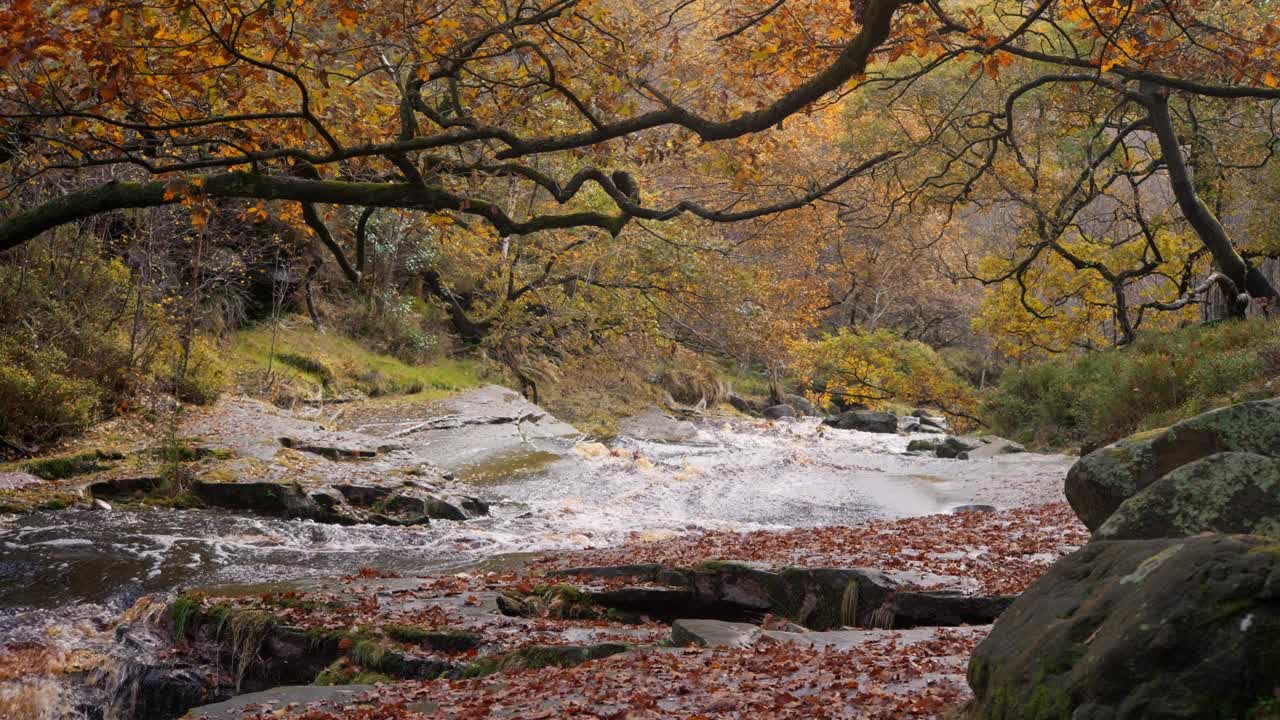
{"x":1161,"y":378}
{"x":326,"y":365}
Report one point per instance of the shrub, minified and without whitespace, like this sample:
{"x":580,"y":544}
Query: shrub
{"x":1099,"y":397}
{"x":38,"y":405}
{"x":204,"y":378}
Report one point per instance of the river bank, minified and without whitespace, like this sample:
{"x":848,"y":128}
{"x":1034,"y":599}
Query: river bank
{"x":786,"y":493}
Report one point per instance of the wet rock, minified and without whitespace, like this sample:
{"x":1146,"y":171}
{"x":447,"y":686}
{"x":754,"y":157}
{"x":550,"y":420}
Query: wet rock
{"x":363,"y":495}
{"x":923,"y":446}
{"x":989,"y":446}
{"x":163,"y":692}
{"x":438,"y":509}
{"x":744,"y":405}
{"x":655,"y":426}
{"x":540,"y":656}
{"x":451,"y":641}
{"x":122,"y":486}
{"x":658,"y":601}
{"x":864,"y":420}
{"x":289,"y":501}
{"x":280,"y":697}
{"x":101,"y":505}
{"x":815,"y":598}
{"x":953,"y":447}
{"x":1172,"y":628}
{"x":777,"y":412}
{"x":1100,"y":481}
{"x":801,"y":405}
{"x":930,"y":423}
{"x":908,"y":424}
{"x":713,"y":633}
{"x":473,"y":506}
{"x":329,"y":499}
{"x":973,"y":508}
{"x":1232,"y":492}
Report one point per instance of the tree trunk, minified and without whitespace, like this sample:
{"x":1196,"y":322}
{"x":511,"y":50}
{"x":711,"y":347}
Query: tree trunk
{"x":1198,"y":215}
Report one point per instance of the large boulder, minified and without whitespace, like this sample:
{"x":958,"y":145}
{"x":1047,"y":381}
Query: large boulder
{"x":801,"y":405}
{"x":1101,"y":480}
{"x":864,"y":420}
{"x":1130,"y":629}
{"x":778,"y":412}
{"x":1230,"y":492}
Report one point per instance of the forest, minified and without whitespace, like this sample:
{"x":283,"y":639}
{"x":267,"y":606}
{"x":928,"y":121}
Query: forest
{"x":639,"y":359}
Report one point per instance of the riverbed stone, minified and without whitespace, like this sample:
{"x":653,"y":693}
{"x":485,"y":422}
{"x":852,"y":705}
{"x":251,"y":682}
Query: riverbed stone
{"x":654,"y":425}
{"x":1230,"y":492}
{"x":713,"y":633}
{"x":778,"y":412}
{"x":1128,"y":629}
{"x":330,"y":696}
{"x":801,"y":405}
{"x":989,"y":446}
{"x":864,"y":420}
{"x":1100,"y":481}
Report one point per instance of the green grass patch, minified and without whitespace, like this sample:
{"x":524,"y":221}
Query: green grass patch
{"x":1161,"y":378}
{"x":329,"y":364}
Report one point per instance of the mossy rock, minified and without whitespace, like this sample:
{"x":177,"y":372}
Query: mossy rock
{"x":1168,"y":628}
{"x":1227,"y":492}
{"x":1100,"y":481}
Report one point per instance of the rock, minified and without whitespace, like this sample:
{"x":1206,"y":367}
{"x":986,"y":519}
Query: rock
{"x":647,"y":572}
{"x":973,"y":508}
{"x":363,"y":495}
{"x":945,"y":609}
{"x":777,"y":412}
{"x":283,"y":500}
{"x":953,"y":447}
{"x":923,"y":446}
{"x":908,"y":424}
{"x":989,"y":446}
{"x":1100,"y":481}
{"x":124,"y":486}
{"x":655,"y":426}
{"x":281,"y":697}
{"x":163,"y":692}
{"x":801,"y":404}
{"x":864,"y":420}
{"x":1125,"y":629}
{"x":930,"y":423}
{"x":322,"y":445}
{"x":101,"y":505}
{"x":1231,"y":492}
{"x":745,"y":406}
{"x":473,"y":506}
{"x":438,"y":509}
{"x":659,"y":601}
{"x":713,"y":633}
{"x":327,"y":498}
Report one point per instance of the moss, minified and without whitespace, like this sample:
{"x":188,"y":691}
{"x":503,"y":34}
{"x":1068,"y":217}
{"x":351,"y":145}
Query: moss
{"x":60,"y":468}
{"x":33,"y":499}
{"x":181,"y":500}
{"x":1226,"y":611}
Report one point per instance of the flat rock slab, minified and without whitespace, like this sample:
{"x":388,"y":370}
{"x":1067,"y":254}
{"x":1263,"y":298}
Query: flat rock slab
{"x":324,"y":697}
{"x":17,"y":479}
{"x":714,"y":633}
{"x":474,"y":428}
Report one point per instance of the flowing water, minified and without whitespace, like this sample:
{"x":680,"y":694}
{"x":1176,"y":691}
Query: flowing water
{"x":65,"y":576}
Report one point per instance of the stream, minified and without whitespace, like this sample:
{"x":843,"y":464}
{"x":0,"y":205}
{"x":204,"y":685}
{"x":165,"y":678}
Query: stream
{"x":65,"y":576}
